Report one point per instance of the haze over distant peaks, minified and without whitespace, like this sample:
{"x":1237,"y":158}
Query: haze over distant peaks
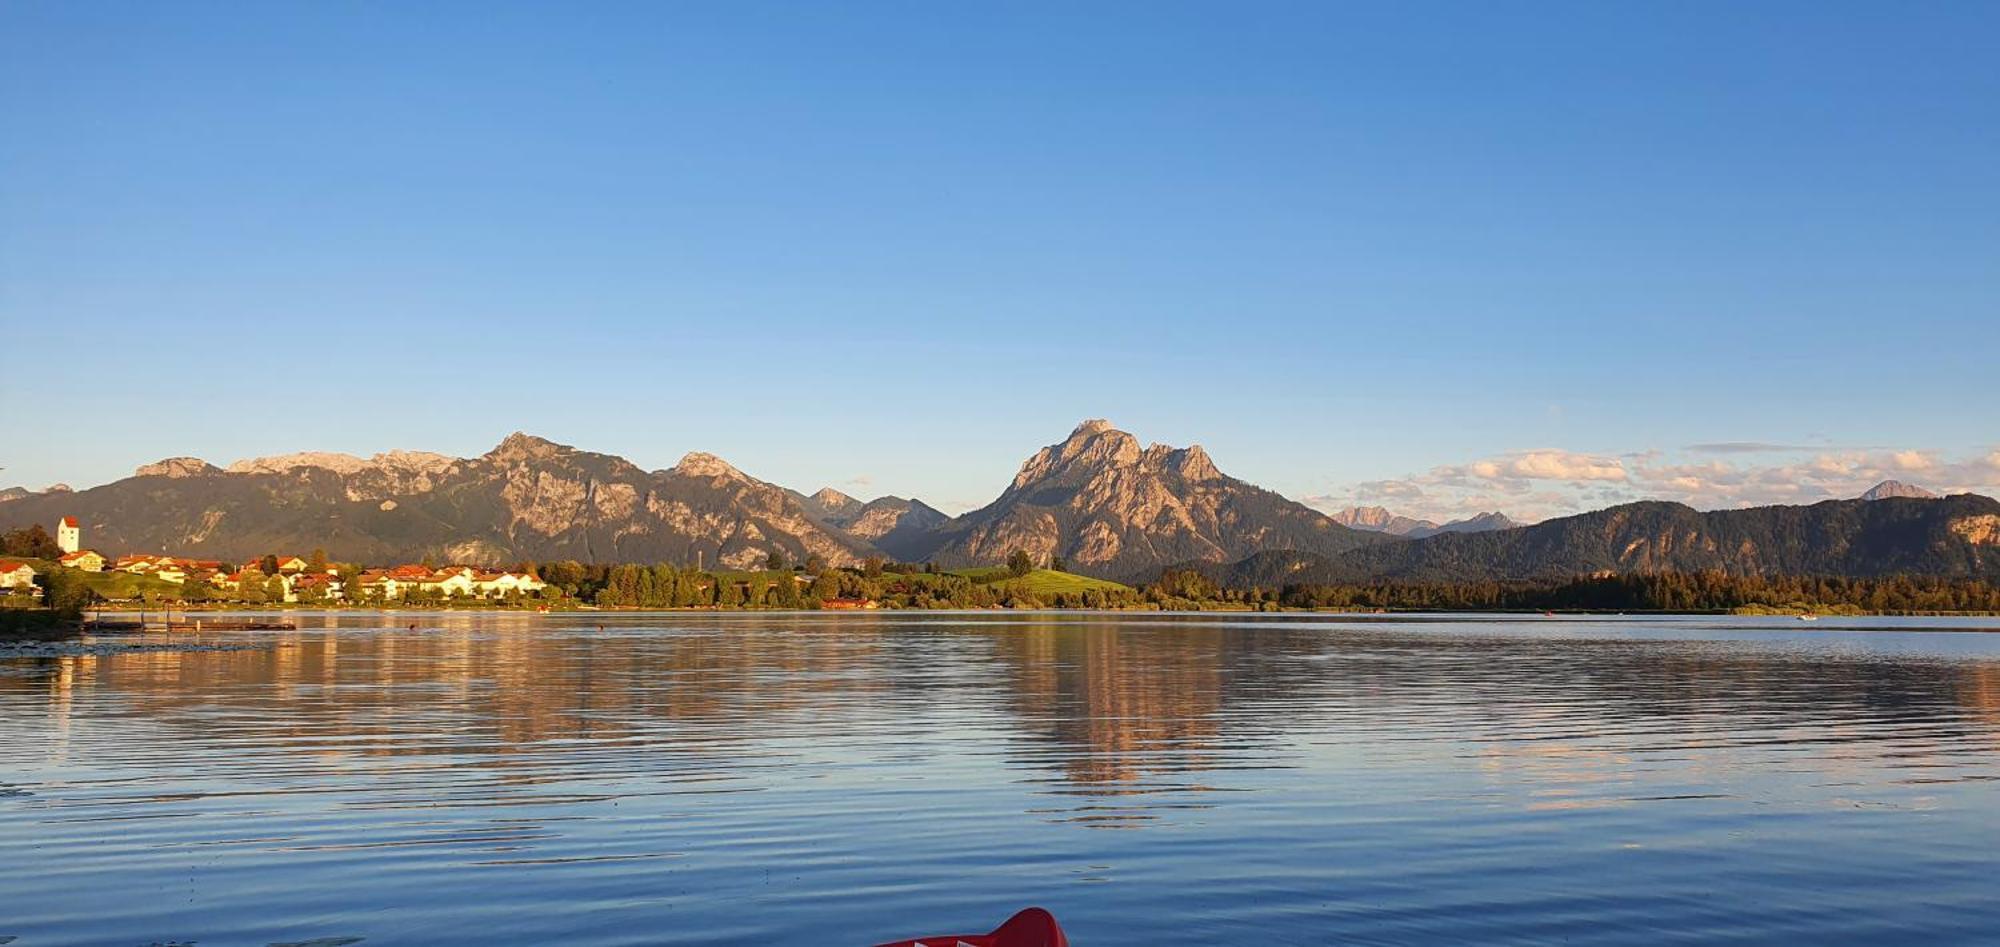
{"x":1479,"y":523}
{"x":1953,"y":536}
{"x":1380,"y":520}
{"x":1897,"y":488}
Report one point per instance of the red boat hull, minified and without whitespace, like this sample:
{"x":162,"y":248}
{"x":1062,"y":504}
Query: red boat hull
{"x":1033,"y":927}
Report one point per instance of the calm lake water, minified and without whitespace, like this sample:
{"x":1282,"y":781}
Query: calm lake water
{"x":846,"y":779}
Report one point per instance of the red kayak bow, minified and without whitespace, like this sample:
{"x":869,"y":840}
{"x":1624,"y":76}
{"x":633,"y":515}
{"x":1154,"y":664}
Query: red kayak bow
{"x":1033,"y":927}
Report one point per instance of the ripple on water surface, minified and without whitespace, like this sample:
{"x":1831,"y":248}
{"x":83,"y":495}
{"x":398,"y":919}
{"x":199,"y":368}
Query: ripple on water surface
{"x":843,"y":779}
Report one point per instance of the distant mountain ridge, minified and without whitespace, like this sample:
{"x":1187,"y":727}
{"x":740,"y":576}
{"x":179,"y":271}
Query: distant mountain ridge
{"x":1097,"y":499}
{"x":1952,"y":536}
{"x":528,"y":498}
{"x":1897,"y":488}
{"x":1376,"y":519}
{"x":1380,"y":520}
{"x":1478,"y":523}
{"x":22,"y":493}
{"x":900,"y":528}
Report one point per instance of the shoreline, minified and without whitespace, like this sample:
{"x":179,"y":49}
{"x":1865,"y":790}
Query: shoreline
{"x":225,"y":608}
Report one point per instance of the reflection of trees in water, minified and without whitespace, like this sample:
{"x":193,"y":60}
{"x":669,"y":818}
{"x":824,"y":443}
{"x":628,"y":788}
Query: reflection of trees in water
{"x":1116,"y":704}
{"x":1136,"y":706}
{"x":483,"y":685}
{"x":1105,"y":705}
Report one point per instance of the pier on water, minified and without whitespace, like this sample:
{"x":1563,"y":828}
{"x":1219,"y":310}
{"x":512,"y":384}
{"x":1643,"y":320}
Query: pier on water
{"x":170,"y":622}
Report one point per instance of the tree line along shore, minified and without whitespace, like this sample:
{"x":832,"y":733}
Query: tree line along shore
{"x":52,"y":585}
{"x":1023,"y":584}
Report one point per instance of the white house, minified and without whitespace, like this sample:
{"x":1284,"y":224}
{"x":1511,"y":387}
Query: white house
{"x":456,"y":581}
{"x":16,"y":575}
{"x":86,"y":560}
{"x":69,"y":534}
{"x":503,"y":583}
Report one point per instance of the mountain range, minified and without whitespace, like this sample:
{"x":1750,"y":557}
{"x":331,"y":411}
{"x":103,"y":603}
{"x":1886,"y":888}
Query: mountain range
{"x":1097,"y":499}
{"x":1379,"y":520}
{"x":1950,"y":536}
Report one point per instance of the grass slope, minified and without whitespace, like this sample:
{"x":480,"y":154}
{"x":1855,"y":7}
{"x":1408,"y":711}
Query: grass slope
{"x":1040,"y":581}
{"x":112,"y":585}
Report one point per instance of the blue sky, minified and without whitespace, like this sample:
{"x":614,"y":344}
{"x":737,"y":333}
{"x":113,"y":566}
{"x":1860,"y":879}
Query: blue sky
{"x":1360,"y":253}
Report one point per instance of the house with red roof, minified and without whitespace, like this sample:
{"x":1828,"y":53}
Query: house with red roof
{"x":496,"y":584}
{"x":451,"y":580}
{"x":17,"y":576}
{"x":69,"y":534}
{"x":83,"y":559}
{"x":327,"y":583}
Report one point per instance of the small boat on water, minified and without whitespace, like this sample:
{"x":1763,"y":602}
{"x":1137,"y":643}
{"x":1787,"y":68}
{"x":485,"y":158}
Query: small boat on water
{"x":1033,"y":927}
{"x":1809,"y":618}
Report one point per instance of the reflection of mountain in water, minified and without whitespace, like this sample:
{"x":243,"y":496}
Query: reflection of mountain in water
{"x":1108,"y":703}
{"x":742,"y":778}
{"x":1098,"y":706}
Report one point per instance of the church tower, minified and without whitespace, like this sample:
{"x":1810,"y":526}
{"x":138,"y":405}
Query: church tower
{"x":69,"y":535}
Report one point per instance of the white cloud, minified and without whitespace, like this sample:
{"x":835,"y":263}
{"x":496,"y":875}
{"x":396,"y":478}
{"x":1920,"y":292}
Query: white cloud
{"x":1912,"y":460}
{"x":1538,"y":465}
{"x":1562,"y":465}
{"x":1546,"y":482}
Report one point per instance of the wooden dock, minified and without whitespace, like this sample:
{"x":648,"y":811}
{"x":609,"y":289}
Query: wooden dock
{"x":185,"y":624}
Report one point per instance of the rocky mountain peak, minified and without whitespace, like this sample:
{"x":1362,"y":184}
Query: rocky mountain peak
{"x":702,"y":464}
{"x":1897,"y":488}
{"x":831,"y":499}
{"x":401,"y":461}
{"x":519,"y":447}
{"x":280,"y":463}
{"x":1189,"y":463}
{"x":414,"y":461}
{"x":1095,"y":444}
{"x":1111,"y":507}
{"x":177,"y":467}
{"x":1363,"y":517}
{"x":1096,"y":449}
{"x":1381,"y":520}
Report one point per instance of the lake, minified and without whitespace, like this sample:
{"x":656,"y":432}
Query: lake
{"x":843,"y":779}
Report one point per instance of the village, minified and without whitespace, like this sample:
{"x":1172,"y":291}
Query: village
{"x":280,"y":578}
{"x":59,"y":574}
